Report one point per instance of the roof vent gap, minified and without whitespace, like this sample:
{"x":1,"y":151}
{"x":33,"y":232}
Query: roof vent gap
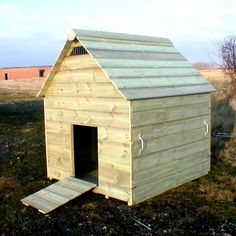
{"x":78,"y":51}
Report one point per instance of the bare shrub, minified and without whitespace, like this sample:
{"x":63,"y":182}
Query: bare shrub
{"x":227,"y":54}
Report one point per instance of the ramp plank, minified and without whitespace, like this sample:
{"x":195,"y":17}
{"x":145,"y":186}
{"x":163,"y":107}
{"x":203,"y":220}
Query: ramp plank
{"x":57,"y":194}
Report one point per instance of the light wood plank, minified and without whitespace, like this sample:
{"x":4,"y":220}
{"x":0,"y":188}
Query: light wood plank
{"x":114,"y":190}
{"x":80,"y":76}
{"x":169,"y":114}
{"x":43,"y":205}
{"x":89,"y":118}
{"x":168,"y":128}
{"x":56,"y":126}
{"x":167,"y":142}
{"x":62,"y":162}
{"x":71,"y":189}
{"x":114,"y":105}
{"x":51,"y":196}
{"x":116,"y":158}
{"x":76,"y":183}
{"x":160,"y":158}
{"x":120,"y":63}
{"x":147,"y":191}
{"x":163,"y":103}
{"x":111,"y":134}
{"x":121,"y":150}
{"x":146,"y":82}
{"x":156,"y":92}
{"x":59,"y":139}
{"x":57,"y":173}
{"x":170,"y":168}
{"x":59,"y":150}
{"x":155,"y":188}
{"x":193,"y":173}
{"x":65,"y":189}
{"x":128,"y":47}
{"x":114,"y":174}
{"x":158,"y":73}
{"x":118,"y":36}
{"x":136,"y":55}
{"x":78,"y":62}
{"x":113,"y":194}
{"x":57,"y":194}
{"x":85,"y":39}
{"x":83,"y":90}
{"x":114,"y":166}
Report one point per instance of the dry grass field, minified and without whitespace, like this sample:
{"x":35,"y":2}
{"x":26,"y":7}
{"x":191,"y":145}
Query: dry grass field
{"x":18,"y":90}
{"x":206,"y":206}
{"x":216,"y":77}
{"x":213,"y":75}
{"x":27,"y":89}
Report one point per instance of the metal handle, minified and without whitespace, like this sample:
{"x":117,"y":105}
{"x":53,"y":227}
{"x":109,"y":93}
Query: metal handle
{"x":207,"y":127}
{"x":142,"y":144}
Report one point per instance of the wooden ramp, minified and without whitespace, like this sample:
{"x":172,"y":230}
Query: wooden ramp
{"x":57,"y":194}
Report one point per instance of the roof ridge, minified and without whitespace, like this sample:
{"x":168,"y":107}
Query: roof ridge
{"x":115,"y":35}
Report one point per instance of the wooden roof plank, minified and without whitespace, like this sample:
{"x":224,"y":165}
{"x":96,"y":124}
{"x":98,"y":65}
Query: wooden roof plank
{"x":120,"y":36}
{"x":165,"y":82}
{"x":122,"y":41}
{"x":136,"y":55}
{"x":129,"y":47}
{"x":150,"y":72}
{"x":155,"y":92}
{"x":127,"y":63}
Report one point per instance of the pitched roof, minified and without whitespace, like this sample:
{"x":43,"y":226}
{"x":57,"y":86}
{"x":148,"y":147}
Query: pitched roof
{"x":139,"y":66}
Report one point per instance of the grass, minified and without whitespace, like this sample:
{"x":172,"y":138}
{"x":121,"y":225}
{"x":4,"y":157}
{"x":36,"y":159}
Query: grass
{"x":206,"y":206}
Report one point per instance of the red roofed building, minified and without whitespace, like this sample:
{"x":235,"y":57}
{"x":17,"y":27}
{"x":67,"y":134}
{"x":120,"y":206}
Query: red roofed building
{"x":13,"y":73}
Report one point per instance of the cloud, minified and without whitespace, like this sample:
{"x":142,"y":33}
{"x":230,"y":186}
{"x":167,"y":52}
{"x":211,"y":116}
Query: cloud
{"x":196,"y":19}
{"x":31,"y":22}
{"x":11,"y":17}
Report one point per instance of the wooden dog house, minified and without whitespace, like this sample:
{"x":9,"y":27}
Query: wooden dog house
{"x":128,"y":113}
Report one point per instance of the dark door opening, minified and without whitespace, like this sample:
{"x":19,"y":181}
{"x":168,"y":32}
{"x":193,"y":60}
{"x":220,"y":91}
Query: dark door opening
{"x":41,"y":73}
{"x":6,"y":76}
{"x":86,"y":152}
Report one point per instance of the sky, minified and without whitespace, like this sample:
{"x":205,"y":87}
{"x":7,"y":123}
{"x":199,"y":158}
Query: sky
{"x":32,"y":32}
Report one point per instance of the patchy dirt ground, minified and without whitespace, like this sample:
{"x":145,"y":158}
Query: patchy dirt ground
{"x":206,"y":206}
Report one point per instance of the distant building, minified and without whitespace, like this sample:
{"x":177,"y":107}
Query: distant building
{"x":13,"y":73}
